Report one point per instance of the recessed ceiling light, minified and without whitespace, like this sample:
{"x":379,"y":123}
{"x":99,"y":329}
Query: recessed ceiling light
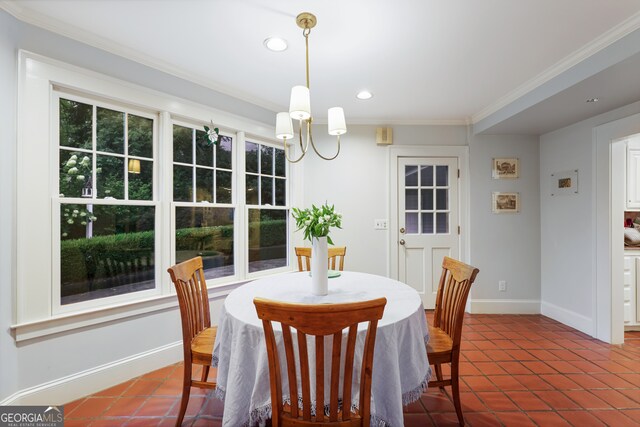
{"x":364,"y":94}
{"x":592,"y":100}
{"x":275,"y":44}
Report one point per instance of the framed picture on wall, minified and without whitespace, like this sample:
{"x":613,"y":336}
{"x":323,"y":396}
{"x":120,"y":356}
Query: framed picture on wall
{"x":504,"y":168}
{"x":505,"y":202}
{"x":564,"y":183}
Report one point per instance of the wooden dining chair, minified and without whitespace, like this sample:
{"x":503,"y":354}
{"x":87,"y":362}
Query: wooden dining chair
{"x":336,"y":258}
{"x":444,"y":336}
{"x":198,"y":336}
{"x":316,"y":322}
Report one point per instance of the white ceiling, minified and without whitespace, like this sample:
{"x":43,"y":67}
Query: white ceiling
{"x":426,"y":61}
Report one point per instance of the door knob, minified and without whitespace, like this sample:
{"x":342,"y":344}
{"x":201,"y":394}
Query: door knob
{"x":402,"y":242}
{"x":402,"y":229}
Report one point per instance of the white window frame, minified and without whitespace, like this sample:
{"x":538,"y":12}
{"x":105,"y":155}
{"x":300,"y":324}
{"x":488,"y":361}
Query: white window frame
{"x":246,"y":207}
{"x":237,"y":233}
{"x":57,"y":201}
{"x":34,"y":314}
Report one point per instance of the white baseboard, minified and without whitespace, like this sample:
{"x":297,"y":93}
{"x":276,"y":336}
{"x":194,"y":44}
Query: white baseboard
{"x":569,"y":318}
{"x":504,"y":306}
{"x":75,"y":386}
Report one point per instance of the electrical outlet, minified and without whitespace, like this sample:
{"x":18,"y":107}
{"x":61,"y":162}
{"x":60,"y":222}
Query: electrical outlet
{"x":380,"y":224}
{"x":502,"y":286}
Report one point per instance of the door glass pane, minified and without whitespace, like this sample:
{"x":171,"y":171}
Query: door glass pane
{"x":76,"y":121}
{"x":223,"y":187}
{"x":223,"y":152}
{"x":267,"y":239}
{"x":182,"y":144}
{"x":105,"y":251}
{"x":266,"y":191}
{"x":141,"y":184}
{"x":204,"y":151}
{"x":206,"y":232}
{"x":442,"y":199}
{"x":427,"y":199}
{"x":426,"y":176}
{"x":204,"y":185}
{"x":140,"y":136}
{"x":442,"y":222}
{"x":110,"y":176}
{"x":427,"y":223}
{"x":411,"y":222}
{"x":411,"y":176}
{"x":411,"y":199}
{"x":252,"y":189}
{"x":110,"y":130}
{"x":182,"y":184}
{"x":75,"y":172}
{"x":251,"y":157}
{"x":442,"y":176}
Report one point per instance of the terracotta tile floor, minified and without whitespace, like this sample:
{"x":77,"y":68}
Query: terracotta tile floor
{"x":517,"y":370}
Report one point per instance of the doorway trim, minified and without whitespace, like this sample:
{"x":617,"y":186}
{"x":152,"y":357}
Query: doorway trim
{"x":398,"y":151}
{"x":608,"y":300}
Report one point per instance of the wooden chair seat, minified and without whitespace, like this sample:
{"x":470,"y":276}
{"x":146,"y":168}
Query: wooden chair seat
{"x":202,"y":346}
{"x":439,"y":346}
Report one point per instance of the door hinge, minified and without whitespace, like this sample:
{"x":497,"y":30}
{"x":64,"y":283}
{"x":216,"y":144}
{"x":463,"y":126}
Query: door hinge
{"x":458,"y":173}
{"x":458,"y":230}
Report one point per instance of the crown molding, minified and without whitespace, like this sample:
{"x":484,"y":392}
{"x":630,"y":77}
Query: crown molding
{"x":39,"y":20}
{"x":611,"y":36}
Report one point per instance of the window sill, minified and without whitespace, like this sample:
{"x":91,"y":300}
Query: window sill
{"x":68,"y":322}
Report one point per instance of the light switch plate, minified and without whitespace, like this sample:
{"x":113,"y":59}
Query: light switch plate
{"x":380,"y":224}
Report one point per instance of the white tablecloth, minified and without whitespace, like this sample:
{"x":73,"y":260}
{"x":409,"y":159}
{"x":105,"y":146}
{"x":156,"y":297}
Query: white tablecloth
{"x":400,"y":367}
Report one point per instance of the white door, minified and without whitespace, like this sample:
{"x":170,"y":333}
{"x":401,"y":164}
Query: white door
{"x":428,"y":221}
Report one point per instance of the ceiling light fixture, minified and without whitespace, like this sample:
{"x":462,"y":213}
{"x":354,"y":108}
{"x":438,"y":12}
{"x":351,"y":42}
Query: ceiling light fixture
{"x":364,"y":94}
{"x":591,"y":100}
{"x":275,"y":44}
{"x":300,"y":106}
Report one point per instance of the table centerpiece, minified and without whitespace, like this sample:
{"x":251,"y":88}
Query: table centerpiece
{"x":316,"y":223}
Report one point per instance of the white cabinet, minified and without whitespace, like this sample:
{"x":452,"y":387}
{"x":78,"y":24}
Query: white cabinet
{"x":633,"y":174}
{"x":630,"y":279}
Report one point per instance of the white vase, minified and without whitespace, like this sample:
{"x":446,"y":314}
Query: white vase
{"x":319,"y":266}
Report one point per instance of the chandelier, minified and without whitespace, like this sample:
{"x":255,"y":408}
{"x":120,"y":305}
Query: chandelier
{"x":300,"y":107}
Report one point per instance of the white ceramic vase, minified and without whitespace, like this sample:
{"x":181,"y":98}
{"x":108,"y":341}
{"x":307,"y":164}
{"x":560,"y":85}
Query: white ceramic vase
{"x":319,"y":266}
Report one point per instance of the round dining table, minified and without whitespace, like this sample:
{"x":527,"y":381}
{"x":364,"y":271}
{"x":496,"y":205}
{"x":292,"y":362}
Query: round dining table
{"x":400,"y":367}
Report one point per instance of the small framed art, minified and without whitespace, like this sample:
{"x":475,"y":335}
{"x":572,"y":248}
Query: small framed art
{"x":564,"y":183}
{"x":505,"y":202}
{"x":504,"y":168}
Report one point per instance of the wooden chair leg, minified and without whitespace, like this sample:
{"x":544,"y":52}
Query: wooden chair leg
{"x":205,"y":373}
{"x":438,"y":369}
{"x":455,"y":392}
{"x":186,"y":390}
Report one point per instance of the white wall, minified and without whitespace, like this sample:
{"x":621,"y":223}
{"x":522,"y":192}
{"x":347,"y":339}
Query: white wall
{"x":357,"y":183}
{"x":505,"y":246}
{"x":568,"y":232}
{"x":8,"y":78}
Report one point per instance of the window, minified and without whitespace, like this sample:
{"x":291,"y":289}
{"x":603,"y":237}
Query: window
{"x":112,"y":188}
{"x":107,"y":212}
{"x":203,"y":190}
{"x":266,"y":198}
